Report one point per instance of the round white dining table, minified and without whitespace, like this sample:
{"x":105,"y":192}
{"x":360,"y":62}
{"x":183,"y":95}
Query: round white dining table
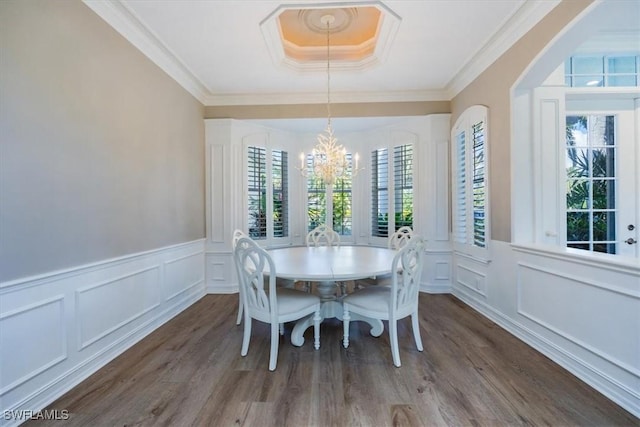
{"x":327,"y":265}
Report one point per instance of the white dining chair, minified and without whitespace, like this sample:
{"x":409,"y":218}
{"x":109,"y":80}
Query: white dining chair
{"x":323,"y":235}
{"x":396,"y":241}
{"x":393,"y":302}
{"x":267,"y":303}
{"x":400,"y":238}
{"x":237,"y":235}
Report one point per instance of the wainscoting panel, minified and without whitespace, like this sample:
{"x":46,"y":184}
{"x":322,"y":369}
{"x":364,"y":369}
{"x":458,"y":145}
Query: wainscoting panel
{"x":221,"y":273}
{"x":182,"y":274}
{"x":101,"y":309}
{"x":585,"y":312}
{"x":59,"y":328}
{"x":472,"y":276}
{"x":582,"y":312}
{"x":436,"y":274}
{"x":37,"y":333}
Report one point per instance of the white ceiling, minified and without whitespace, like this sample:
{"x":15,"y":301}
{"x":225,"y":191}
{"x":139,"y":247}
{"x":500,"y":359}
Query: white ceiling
{"x":216,"y":50}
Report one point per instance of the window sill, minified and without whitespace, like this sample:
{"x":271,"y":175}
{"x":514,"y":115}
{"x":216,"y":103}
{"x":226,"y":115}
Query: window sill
{"x":616,"y":263}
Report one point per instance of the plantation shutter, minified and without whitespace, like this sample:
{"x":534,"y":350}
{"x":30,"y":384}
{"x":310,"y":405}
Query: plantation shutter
{"x":479,"y":183}
{"x":280,"y":186}
{"x":460,"y":219}
{"x":257,"y":194}
{"x":403,"y":185}
{"x":380,"y":193}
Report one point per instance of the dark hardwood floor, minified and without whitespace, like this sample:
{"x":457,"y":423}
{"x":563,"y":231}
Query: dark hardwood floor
{"x":471,"y":373}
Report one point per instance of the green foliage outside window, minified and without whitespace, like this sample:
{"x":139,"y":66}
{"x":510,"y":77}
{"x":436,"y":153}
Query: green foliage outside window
{"x":317,"y":202}
{"x":401,"y":219}
{"x":258,"y":216}
{"x":342,"y":207}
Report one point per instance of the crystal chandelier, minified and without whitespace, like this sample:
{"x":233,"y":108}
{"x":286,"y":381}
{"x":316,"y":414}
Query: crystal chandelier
{"x":329,"y":159}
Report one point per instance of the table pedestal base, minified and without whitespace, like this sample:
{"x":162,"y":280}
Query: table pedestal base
{"x":329,"y":309}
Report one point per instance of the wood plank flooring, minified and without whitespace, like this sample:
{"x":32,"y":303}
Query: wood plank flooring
{"x":189,"y":372}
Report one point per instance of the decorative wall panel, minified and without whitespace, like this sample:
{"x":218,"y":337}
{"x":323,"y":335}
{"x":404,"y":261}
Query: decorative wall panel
{"x":101,"y":308}
{"x":585,"y":312}
{"x":107,"y":306}
{"x":37,"y":334}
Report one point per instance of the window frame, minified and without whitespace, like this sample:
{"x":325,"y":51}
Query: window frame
{"x":344,"y":187}
{"x":464,"y":226}
{"x":269,"y":239}
{"x":377,"y":189}
{"x":606,"y":75}
{"x":395,"y":154}
{"x":315,"y":186}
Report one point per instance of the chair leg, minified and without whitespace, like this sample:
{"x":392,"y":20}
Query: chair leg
{"x":393,"y":337}
{"x":240,"y":310}
{"x":416,"y":330}
{"x":247,"y":335}
{"x":345,"y":322}
{"x":281,"y":328}
{"x":316,"y":329}
{"x":343,"y":288}
{"x":275,"y":338}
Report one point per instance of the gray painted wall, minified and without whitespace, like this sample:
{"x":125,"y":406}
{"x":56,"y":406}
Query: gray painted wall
{"x":101,"y":152}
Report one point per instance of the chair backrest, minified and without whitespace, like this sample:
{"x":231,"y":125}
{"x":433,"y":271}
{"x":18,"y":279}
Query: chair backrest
{"x":237,"y":235}
{"x":407,"y":268}
{"x":323,"y":235}
{"x":400,"y":238}
{"x":255,"y":269}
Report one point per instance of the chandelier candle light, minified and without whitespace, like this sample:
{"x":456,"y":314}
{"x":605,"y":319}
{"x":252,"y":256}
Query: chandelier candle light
{"x":329,"y":158}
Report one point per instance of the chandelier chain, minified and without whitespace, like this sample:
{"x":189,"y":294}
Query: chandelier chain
{"x":329,"y":159}
{"x":328,"y":73}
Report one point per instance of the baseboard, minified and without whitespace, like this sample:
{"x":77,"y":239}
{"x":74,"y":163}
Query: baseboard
{"x":218,"y":289}
{"x":435,"y":288}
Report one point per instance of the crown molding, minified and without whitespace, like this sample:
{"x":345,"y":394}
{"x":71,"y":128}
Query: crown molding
{"x":321,"y":98}
{"x":525,"y":18}
{"x":125,"y":22}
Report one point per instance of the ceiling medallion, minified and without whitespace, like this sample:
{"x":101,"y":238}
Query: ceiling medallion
{"x":342,"y":19}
